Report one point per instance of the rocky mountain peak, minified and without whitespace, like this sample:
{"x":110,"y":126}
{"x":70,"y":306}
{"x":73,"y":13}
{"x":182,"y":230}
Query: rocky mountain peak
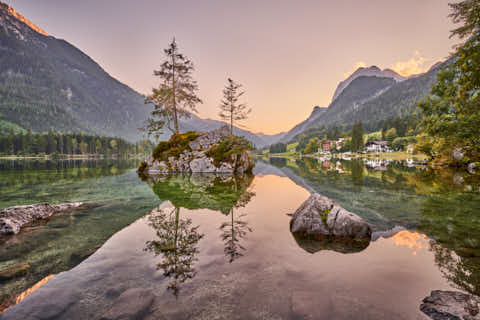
{"x":372,"y":71}
{"x":14,"y":21}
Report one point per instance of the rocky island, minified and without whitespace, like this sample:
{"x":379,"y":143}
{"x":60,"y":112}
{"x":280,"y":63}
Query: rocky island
{"x":213,"y":152}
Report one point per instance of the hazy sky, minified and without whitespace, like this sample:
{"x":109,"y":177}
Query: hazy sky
{"x":289,"y":55}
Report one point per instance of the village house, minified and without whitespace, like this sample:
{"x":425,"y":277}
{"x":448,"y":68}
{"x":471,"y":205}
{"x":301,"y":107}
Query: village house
{"x":339,"y":143}
{"x":326,"y":146}
{"x":377,"y":146}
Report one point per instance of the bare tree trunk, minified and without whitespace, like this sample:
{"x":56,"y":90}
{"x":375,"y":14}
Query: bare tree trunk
{"x":231,"y":121}
{"x":175,"y":118}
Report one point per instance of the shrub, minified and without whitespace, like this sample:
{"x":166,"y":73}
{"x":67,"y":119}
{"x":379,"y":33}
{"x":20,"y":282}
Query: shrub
{"x":174,"y":146}
{"x":227,"y":148}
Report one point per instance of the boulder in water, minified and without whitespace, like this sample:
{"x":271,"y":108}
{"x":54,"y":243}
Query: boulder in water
{"x":320,"y":216}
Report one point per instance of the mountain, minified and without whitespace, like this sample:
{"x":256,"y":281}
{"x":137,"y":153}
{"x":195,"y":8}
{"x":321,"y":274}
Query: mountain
{"x":195,"y":123}
{"x":370,"y":98}
{"x":367,"y":72}
{"x":304,"y":125}
{"x":47,"y":83}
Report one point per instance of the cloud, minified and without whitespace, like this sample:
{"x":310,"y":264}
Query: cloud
{"x":357,"y":65}
{"x":415,"y":65}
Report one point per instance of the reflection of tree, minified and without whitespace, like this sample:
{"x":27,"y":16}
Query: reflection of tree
{"x":357,"y":172}
{"x":461,"y":271}
{"x":176,"y":238}
{"x":278,"y":162}
{"x":451,"y":219}
{"x":235,"y":229}
{"x":177,"y":243}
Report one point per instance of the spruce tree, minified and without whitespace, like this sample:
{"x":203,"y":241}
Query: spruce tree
{"x":230,"y":109}
{"x":176,"y":95}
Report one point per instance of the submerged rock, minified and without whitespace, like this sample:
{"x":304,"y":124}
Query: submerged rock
{"x":15,"y":270}
{"x":134,"y":303}
{"x":12,"y":219}
{"x":319,"y":215}
{"x":451,"y":305}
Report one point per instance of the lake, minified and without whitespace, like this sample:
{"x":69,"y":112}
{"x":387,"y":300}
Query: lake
{"x":220,"y":247}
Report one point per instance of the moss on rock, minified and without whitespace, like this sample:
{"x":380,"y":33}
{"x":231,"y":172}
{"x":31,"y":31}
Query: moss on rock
{"x":177,"y":144}
{"x":228,"y":149}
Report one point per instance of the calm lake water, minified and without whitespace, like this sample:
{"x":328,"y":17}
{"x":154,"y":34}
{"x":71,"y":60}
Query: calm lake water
{"x":219,"y":247}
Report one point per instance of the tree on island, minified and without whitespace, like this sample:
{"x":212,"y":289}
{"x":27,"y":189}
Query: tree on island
{"x":176,"y":96}
{"x":451,"y":115}
{"x":231,"y":110}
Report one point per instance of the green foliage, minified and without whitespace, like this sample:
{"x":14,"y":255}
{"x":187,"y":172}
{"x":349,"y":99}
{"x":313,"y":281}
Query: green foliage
{"x":230,"y":109}
{"x":390,"y":135}
{"x":61,"y":144}
{"x":58,"y":87}
{"x":204,"y":191}
{"x":312,"y":146}
{"x":176,"y":95}
{"x":452,"y":111}
{"x":357,"y":137}
{"x":278,"y":148}
{"x":178,"y":143}
{"x":400,"y":143}
{"x":227,"y":149}
{"x":374,"y":136}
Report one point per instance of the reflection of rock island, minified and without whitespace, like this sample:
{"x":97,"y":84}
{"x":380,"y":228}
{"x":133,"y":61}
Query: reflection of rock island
{"x":176,"y":240}
{"x":202,"y":191}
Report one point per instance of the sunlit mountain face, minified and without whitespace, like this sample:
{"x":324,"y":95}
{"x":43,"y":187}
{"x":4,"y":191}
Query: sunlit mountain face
{"x":17,"y":17}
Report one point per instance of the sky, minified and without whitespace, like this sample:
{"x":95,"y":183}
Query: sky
{"x":289,"y":55}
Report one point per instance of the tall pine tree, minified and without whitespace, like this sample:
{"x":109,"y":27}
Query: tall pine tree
{"x":176,"y":96}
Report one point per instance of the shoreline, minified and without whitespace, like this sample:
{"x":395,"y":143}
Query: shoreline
{"x":69,"y":157}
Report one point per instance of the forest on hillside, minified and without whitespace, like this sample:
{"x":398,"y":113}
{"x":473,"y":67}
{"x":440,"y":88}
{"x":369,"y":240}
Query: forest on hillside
{"x":64,"y":144}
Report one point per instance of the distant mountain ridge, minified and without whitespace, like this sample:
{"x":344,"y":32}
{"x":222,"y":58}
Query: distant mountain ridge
{"x":369,"y":98}
{"x":46,"y":83}
{"x":366,"y":72}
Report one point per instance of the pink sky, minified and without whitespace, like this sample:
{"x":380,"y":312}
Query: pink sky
{"x":289,"y":55}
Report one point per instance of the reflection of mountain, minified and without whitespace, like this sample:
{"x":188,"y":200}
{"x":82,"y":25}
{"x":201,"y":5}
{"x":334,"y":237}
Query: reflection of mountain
{"x":202,"y":191}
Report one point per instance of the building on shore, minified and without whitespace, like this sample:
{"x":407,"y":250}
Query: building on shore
{"x":377,"y":146}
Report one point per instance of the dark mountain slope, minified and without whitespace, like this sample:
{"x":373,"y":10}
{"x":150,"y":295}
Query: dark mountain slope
{"x":46,"y":83}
